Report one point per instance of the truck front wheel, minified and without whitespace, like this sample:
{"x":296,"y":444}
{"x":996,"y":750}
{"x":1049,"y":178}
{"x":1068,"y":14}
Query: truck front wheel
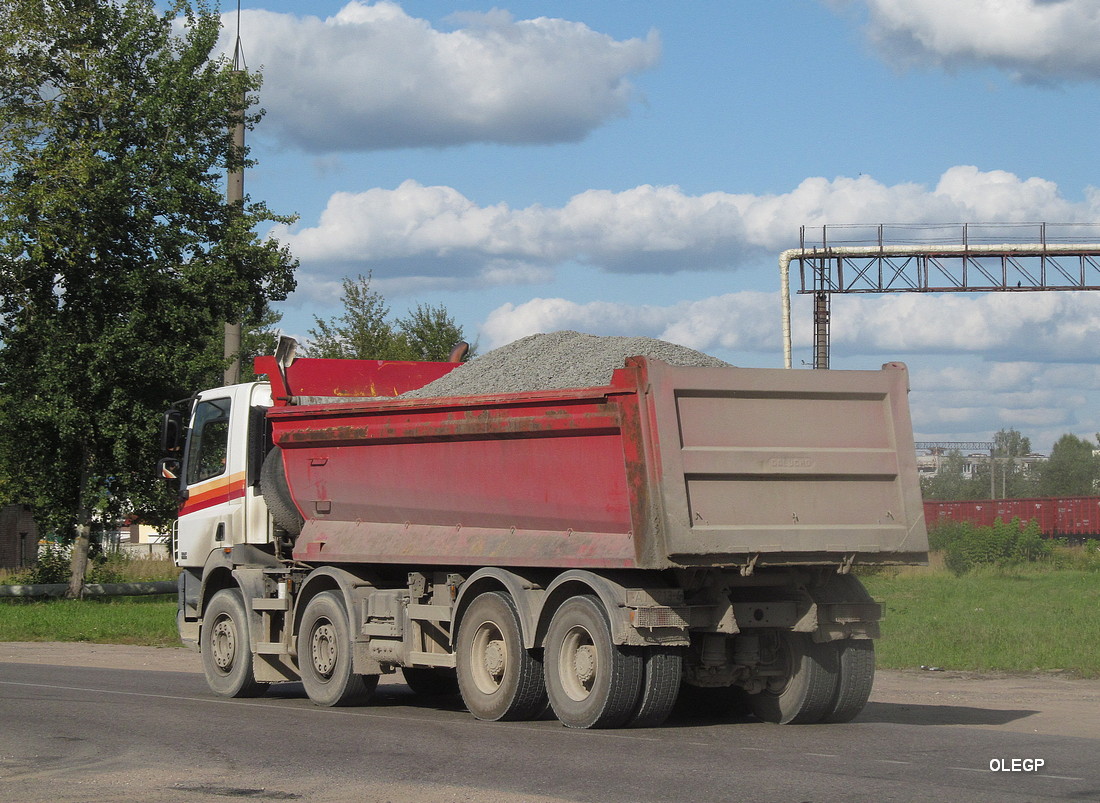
{"x":324,"y":654}
{"x":499,"y":679}
{"x":226,"y":651}
{"x":806,"y":680}
{"x":592,"y":682}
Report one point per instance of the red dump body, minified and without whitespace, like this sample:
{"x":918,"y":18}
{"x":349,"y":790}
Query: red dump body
{"x":664,"y":467}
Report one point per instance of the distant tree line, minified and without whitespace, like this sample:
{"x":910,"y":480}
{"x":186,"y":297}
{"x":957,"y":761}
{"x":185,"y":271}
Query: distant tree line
{"x":1070,"y":470}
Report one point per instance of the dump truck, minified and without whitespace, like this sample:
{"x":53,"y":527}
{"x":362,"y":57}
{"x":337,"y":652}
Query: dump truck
{"x":596,"y":550}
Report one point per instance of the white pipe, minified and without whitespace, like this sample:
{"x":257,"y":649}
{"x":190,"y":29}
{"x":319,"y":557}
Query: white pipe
{"x":1054,"y":249}
{"x":785,"y":292}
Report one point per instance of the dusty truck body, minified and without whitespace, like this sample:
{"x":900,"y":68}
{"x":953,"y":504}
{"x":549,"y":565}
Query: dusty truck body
{"x":596,"y":549}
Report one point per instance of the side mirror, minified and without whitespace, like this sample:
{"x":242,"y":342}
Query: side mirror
{"x":169,"y":468}
{"x":171,"y":431}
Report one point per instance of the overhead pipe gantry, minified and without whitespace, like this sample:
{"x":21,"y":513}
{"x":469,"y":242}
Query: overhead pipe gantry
{"x":965,"y":257}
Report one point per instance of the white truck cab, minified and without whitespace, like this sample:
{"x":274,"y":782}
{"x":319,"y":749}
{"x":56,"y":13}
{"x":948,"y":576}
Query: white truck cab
{"x":221,"y":505}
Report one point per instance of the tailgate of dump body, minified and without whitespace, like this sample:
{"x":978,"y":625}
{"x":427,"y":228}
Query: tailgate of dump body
{"x":785,"y":466}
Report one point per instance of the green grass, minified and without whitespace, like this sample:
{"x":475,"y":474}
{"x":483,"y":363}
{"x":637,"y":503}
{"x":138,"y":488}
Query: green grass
{"x":149,"y":621}
{"x":1021,"y":619}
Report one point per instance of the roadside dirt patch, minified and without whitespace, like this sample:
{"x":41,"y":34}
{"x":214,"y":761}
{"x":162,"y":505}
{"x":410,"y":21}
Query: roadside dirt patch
{"x":1042,"y":704}
{"x":1047,"y":703}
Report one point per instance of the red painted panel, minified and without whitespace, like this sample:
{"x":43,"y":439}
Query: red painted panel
{"x":533,"y":479}
{"x":350,"y":378}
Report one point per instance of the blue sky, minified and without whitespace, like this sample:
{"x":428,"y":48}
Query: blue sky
{"x":636,"y":168}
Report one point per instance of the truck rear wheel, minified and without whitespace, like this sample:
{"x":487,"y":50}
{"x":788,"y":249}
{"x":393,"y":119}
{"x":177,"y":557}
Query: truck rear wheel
{"x":856,"y":676}
{"x":324,"y":654}
{"x":498,"y":677}
{"x":591,"y":681}
{"x":225,"y":647}
{"x":804,"y":691}
{"x":660,"y":686}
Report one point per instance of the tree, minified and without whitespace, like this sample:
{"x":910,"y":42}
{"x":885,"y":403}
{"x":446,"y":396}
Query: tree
{"x":430,"y":333}
{"x":1008,"y":479}
{"x":364,"y":332}
{"x":119,"y":256}
{"x":1010,"y":443}
{"x":950,"y":481}
{"x":1071,"y":470}
{"x":361,"y":332}
{"x":258,"y":337}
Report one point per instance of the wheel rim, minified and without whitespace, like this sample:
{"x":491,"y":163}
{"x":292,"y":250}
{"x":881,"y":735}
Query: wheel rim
{"x":323,"y":649}
{"x":578,"y":664}
{"x":785,"y":661}
{"x":223,"y":643}
{"x":490,"y":653}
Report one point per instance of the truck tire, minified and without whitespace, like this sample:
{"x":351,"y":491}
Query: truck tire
{"x":805,"y":691}
{"x":855,"y":657}
{"x":663,"y":667}
{"x":856,"y":676}
{"x":498,"y":677}
{"x":591,"y":681}
{"x":276,"y":493}
{"x":325,"y":654}
{"x":225,"y":647}
{"x":430,"y":681}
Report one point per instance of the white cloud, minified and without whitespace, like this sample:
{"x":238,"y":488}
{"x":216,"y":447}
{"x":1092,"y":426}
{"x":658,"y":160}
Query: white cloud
{"x":746,"y":321}
{"x":970,"y":399}
{"x":417,"y":233}
{"x":373,"y":77}
{"x":1012,"y":333}
{"x":1038,"y":40}
{"x":1052,"y":326}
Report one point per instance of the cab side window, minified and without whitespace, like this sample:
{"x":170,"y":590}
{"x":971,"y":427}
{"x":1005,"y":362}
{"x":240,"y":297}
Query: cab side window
{"x":209,"y":446}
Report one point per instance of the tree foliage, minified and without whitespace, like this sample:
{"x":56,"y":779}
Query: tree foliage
{"x":1010,"y":443}
{"x":950,"y":482}
{"x":1072,"y":470}
{"x":364,"y":330}
{"x":967,"y":545}
{"x":259,"y":336}
{"x":1009,"y":478}
{"x":119,"y":256}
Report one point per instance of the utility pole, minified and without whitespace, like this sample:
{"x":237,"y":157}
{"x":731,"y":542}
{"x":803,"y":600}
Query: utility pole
{"x":234,"y":195}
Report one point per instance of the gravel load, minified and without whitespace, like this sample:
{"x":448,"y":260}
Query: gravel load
{"x":553,"y":361}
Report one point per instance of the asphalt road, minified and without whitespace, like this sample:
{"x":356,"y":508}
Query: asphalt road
{"x":147,"y":733}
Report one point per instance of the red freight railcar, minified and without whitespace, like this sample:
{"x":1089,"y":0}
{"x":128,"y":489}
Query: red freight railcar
{"x":1057,"y":516}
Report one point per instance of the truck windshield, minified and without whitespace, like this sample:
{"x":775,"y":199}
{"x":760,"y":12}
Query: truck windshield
{"x":207,"y":451}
